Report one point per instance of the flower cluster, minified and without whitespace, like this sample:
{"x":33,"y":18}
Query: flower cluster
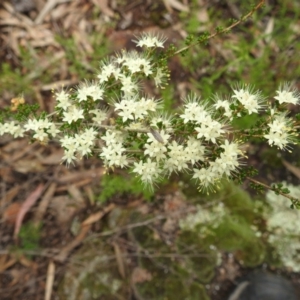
{"x":112,"y":118}
{"x":283,"y":227}
{"x":281,"y":131}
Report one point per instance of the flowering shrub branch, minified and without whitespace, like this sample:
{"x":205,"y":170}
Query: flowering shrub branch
{"x":219,"y":30}
{"x":111,"y":117}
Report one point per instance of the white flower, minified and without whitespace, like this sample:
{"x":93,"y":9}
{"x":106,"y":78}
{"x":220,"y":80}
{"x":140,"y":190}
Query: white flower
{"x":53,"y":130}
{"x":160,"y":77}
{"x":193,"y":111}
{"x":228,"y":162}
{"x":252,"y":101}
{"x":68,"y":157}
{"x":107,"y":69}
{"x":286,"y":94}
{"x":278,"y":139}
{"x":231,"y":149}
{"x":14,"y":129}
{"x":84,"y":149}
{"x":17,"y":131}
{"x":149,"y":171}
{"x":224,"y":104}
{"x":137,"y":63}
{"x":207,"y":177}
{"x":127,"y":109}
{"x":149,"y":40}
{"x":129,"y":87}
{"x":112,"y":153}
{"x":283,"y":224}
{"x":2,"y":129}
{"x":100,"y":115}
{"x":177,"y":159}
{"x":44,"y":123}
{"x":89,"y":136}
{"x":156,"y":150}
{"x":62,"y":99}
{"x":96,"y":91}
{"x":68,"y":142}
{"x":73,"y":114}
{"x":161,"y":118}
{"x":281,"y":131}
{"x":113,"y":137}
{"x":210,"y":131}
{"x":194,"y":151}
{"x":117,"y":160}
{"x":92,"y":90}
{"x":82,"y":93}
{"x":139,"y":167}
{"x":135,"y":126}
{"x":32,"y":124}
{"x":41,"y":135}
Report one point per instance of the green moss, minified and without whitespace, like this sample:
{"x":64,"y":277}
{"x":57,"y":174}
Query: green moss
{"x":30,"y":235}
{"x":115,"y":184}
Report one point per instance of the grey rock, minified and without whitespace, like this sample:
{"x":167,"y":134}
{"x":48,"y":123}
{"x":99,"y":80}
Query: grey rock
{"x":264,"y":286}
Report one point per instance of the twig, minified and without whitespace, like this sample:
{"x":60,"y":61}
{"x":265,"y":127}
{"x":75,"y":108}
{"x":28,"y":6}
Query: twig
{"x":242,"y":19}
{"x":293,"y":199}
{"x":49,"y":280}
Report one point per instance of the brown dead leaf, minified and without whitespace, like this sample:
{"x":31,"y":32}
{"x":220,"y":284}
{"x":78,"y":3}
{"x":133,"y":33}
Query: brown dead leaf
{"x":6,"y":261}
{"x":76,"y":195}
{"x":42,"y":207}
{"x":26,"y":166}
{"x":120,"y":260}
{"x":64,"y":208}
{"x":10,"y":195}
{"x":17,"y":275}
{"x":78,"y":184}
{"x":90,"y":194}
{"x":54,"y":158}
{"x":27,"y":204}
{"x":28,"y":263}
{"x":97,"y":216}
{"x":6,"y":174}
{"x":176,"y":5}
{"x":23,"y":150}
{"x":77,"y":176}
{"x":103,"y":5}
{"x":50,"y":4}
{"x":140,"y":275}
{"x":64,"y":253}
{"x":11,"y":212}
{"x":295,"y":170}
{"x":15,"y":145}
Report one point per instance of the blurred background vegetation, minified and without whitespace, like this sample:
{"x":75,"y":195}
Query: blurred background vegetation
{"x":176,"y":243}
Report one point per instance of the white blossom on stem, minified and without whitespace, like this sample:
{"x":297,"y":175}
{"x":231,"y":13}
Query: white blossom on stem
{"x":62,"y":100}
{"x":149,"y":171}
{"x":150,"y":40}
{"x":281,"y":131}
{"x":93,"y":90}
{"x":251,"y":100}
{"x":73,"y":114}
{"x":210,"y":130}
{"x":287,"y":94}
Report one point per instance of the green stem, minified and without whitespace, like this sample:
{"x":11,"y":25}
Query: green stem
{"x":242,"y":19}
